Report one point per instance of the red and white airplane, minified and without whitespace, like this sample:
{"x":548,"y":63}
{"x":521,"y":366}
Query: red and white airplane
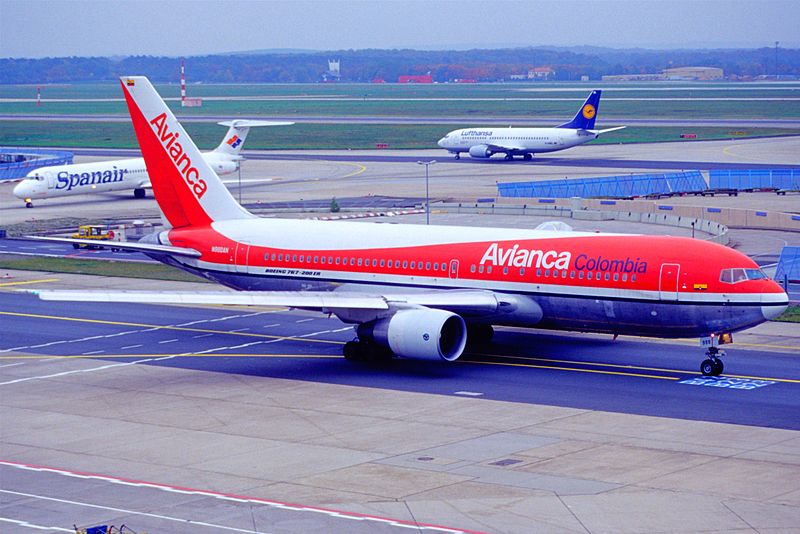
{"x":424,"y":291}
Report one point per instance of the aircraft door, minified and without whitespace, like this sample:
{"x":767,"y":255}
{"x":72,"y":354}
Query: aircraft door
{"x":453,"y":269}
{"x":668,"y":281}
{"x":240,"y":259}
{"x":50,"y":178}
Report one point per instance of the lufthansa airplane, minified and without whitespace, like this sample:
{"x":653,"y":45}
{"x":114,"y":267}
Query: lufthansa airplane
{"x":127,"y":174}
{"x":419,"y":291}
{"x":525,"y":142}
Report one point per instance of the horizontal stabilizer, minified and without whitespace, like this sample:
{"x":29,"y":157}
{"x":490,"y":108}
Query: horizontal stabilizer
{"x":598,"y":132}
{"x":247,"y":123}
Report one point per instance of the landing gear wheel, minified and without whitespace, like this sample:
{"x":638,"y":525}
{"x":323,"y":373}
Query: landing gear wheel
{"x":458,"y":156}
{"x":29,"y":204}
{"x":352,"y":351}
{"x":509,"y":157}
{"x":479,"y":334}
{"x":138,"y":193}
{"x":712,"y":366}
{"x":527,"y":157}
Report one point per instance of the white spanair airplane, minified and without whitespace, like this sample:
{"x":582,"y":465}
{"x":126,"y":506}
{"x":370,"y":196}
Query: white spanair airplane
{"x":418,"y":291}
{"x":484,"y":142}
{"x":127,"y":174}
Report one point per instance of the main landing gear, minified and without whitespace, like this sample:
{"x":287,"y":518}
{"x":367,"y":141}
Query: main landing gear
{"x":712,"y":366}
{"x":458,"y":155}
{"x":359,"y":350}
{"x":509,"y":157}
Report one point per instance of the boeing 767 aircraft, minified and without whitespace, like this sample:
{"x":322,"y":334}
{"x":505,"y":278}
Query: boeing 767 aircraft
{"x":484,"y":142}
{"x":423,"y":291}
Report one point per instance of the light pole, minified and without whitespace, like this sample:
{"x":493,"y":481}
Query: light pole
{"x":427,"y":198}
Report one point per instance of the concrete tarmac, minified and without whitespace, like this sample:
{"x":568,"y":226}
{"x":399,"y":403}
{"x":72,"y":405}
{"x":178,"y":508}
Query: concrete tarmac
{"x":225,"y":444}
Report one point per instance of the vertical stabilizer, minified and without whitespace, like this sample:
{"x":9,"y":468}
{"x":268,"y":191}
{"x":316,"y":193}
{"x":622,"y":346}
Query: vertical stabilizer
{"x":238,"y":129}
{"x":584,"y":119}
{"x":186,"y":188}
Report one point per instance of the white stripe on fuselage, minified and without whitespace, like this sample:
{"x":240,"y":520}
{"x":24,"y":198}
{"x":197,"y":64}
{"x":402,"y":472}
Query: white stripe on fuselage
{"x":291,"y":234}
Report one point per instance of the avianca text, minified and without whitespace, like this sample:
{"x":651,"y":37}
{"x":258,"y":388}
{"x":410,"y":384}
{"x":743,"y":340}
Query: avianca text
{"x":169,"y":141}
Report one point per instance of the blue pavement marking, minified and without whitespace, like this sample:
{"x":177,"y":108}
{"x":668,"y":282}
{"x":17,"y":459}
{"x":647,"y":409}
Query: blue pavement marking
{"x":725,"y":382}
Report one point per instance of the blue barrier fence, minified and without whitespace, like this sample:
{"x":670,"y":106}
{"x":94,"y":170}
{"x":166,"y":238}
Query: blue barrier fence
{"x":788,"y":265}
{"x":637,"y":185}
{"x":31,"y":158}
{"x":755,"y":179}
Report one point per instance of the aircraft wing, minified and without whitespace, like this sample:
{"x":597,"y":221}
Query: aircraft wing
{"x":468,"y":302}
{"x":124,"y":245}
{"x":494,"y":147}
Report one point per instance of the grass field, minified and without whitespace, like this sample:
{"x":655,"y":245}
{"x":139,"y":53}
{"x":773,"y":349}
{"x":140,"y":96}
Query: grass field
{"x":557,"y":101}
{"x":310,"y":135}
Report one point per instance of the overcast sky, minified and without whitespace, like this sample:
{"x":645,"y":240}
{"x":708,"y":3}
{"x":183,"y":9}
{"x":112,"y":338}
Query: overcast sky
{"x":55,"y":28}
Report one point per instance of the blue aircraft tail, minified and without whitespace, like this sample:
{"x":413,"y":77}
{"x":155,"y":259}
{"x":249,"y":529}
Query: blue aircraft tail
{"x":584,"y":119}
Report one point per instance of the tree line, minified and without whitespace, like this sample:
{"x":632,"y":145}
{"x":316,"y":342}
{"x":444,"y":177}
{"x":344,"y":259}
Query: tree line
{"x":371,"y":64}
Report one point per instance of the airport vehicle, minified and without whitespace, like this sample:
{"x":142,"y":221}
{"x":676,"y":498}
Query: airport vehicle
{"x":424,"y":291}
{"x":98,"y":233}
{"x":484,"y":142}
{"x":127,"y":174}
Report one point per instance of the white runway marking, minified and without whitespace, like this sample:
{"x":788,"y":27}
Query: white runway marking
{"x":35,"y":527}
{"x":92,"y":352}
{"x":220,"y":496}
{"x":167,"y":341}
{"x":131,"y":346}
{"x":129,"y":512}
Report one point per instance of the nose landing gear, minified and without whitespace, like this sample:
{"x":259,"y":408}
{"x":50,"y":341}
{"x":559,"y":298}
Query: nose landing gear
{"x":712,"y":366}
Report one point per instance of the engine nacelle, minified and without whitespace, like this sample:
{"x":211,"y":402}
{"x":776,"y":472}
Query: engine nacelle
{"x":419,"y":333}
{"x":225,"y":167}
{"x":480,"y":151}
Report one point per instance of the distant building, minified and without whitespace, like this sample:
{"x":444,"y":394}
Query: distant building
{"x":422,"y":78}
{"x":694,"y":73}
{"x":633,"y":77}
{"x":536,"y":73}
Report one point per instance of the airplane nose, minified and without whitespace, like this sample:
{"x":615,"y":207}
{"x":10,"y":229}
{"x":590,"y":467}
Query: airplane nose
{"x":22,"y":190}
{"x":778,"y":302}
{"x":440,"y":142}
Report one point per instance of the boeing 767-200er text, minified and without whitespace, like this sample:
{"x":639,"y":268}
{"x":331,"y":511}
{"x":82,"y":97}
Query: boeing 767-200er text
{"x":424,"y":291}
{"x":486,"y":141}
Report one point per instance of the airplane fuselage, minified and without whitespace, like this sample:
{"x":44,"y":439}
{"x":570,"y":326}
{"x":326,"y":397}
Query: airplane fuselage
{"x":622,"y":284}
{"x":99,"y":177}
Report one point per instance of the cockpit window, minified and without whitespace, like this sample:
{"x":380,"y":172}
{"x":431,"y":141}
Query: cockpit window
{"x":733,"y":276}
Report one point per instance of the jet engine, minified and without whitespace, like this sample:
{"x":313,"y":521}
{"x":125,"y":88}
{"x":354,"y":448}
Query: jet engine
{"x":225,"y":167}
{"x":480,"y":151}
{"x":421,"y":333}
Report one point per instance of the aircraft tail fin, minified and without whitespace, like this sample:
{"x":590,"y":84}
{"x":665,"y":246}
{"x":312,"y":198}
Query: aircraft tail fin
{"x":584,"y":119}
{"x":187,"y":189}
{"x":238,"y":129}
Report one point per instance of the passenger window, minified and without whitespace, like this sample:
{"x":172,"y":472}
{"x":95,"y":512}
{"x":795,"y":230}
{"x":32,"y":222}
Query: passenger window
{"x":323,"y":260}
{"x":413,"y":264}
{"x":633,"y":278}
{"x":280,"y":257}
{"x":444,"y":266}
{"x":294,"y":257}
{"x":405,"y":264}
{"x":359,"y":262}
{"x":472,"y":268}
{"x":607,"y":277}
{"x":337,"y":261}
{"x":374,"y":262}
{"x":480,"y":268}
{"x":616,"y":277}
{"x":383,"y":263}
{"x":624,"y":277}
{"x":580,"y":275}
{"x":436,"y":266}
{"x":572,"y":274}
{"x":505,"y":270}
{"x":589,"y":275}
{"x":522,"y":272}
{"x":301,"y":258}
{"x":489,"y":269}
{"x":427,"y":266}
{"x":563,"y":274}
